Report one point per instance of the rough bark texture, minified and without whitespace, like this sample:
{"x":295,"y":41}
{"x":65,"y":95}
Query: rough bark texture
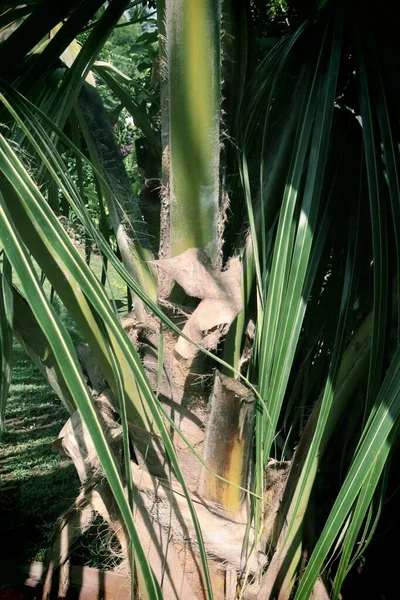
{"x":164,"y":521}
{"x":228,"y":445}
{"x":125,"y":214}
{"x":219,"y":292}
{"x":163,"y":518}
{"x":164,"y":282}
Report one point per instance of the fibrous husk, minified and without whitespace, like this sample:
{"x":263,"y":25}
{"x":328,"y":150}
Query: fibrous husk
{"x":276,"y":476}
{"x":220,"y":295}
{"x":163,"y":520}
{"x":96,"y":379}
{"x":90,"y":364}
{"x":229,"y":433}
{"x":75,"y":441}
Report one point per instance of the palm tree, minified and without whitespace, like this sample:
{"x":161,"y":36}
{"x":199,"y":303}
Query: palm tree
{"x":242,"y":428}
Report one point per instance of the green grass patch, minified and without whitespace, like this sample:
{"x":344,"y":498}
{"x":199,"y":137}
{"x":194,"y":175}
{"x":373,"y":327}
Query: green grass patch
{"x":115,"y":286}
{"x":37,"y":484}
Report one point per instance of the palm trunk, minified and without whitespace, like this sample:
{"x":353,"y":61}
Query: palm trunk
{"x":127,"y":221}
{"x":193,"y":46}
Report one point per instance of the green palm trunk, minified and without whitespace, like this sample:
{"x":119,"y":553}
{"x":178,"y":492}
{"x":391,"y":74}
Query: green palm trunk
{"x":193,"y":48}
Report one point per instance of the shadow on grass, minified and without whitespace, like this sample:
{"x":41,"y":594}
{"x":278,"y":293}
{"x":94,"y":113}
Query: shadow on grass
{"x":37,"y":485}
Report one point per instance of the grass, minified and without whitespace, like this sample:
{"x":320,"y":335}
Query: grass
{"x":115,"y":286}
{"x":36,"y":483}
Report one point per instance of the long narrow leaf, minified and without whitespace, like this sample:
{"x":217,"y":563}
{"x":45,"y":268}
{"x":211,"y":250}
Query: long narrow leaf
{"x":6,"y":336}
{"x":55,"y":238}
{"x":375,"y":445}
{"x":378,"y":220}
{"x":66,"y":358}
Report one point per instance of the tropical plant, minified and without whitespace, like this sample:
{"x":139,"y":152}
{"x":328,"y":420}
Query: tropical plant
{"x":235,"y":431}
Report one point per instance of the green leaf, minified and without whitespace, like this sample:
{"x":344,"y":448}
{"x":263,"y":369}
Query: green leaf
{"x":63,"y":101}
{"x":6,"y":335}
{"x":66,"y":357}
{"x":47,"y":60}
{"x":378,"y":220}
{"x":356,"y":520}
{"x":32,"y":208}
{"x":149,"y":37}
{"x":42,"y":19}
{"x":139,"y":116}
{"x":372,"y":451}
